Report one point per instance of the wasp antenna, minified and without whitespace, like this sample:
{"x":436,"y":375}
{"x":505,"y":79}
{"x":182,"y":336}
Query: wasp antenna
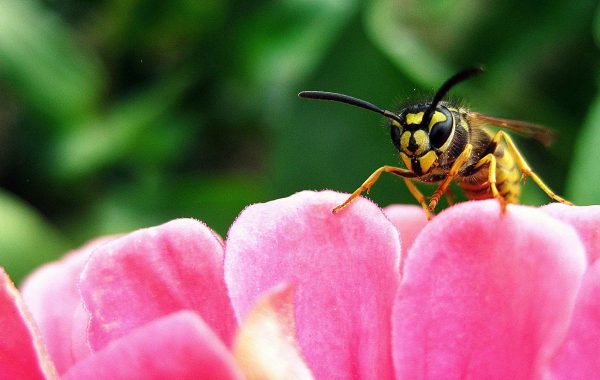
{"x":322,"y":95}
{"x":453,"y":81}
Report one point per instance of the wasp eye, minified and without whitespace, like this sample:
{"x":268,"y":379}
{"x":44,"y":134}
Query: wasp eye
{"x":395,"y":133}
{"x":440,"y":132}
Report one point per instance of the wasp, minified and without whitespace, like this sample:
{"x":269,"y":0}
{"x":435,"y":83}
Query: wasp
{"x":440,"y":142}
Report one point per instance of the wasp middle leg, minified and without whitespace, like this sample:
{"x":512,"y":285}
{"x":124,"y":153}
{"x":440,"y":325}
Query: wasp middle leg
{"x":490,"y":160}
{"x":449,"y":196}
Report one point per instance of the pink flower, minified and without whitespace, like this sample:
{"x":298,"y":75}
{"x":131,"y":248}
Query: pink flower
{"x":149,"y":305}
{"x":471,"y":294}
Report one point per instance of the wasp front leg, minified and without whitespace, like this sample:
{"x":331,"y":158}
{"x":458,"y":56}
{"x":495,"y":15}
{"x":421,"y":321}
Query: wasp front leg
{"x":458,"y":163}
{"x":366,"y":186}
{"x":418,"y":196}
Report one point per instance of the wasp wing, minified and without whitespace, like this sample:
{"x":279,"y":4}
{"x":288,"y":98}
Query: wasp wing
{"x":545,"y":135}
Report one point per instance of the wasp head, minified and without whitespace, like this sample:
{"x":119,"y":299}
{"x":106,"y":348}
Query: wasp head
{"x":420,"y":142}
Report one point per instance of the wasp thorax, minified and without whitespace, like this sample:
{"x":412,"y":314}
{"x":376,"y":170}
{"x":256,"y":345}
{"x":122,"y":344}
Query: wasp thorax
{"x":420,"y":142}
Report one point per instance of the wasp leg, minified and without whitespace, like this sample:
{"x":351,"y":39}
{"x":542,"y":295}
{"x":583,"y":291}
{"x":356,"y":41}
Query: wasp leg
{"x":458,"y":163}
{"x":418,"y":196}
{"x":525,"y":169}
{"x":449,"y":196}
{"x":366,"y":186}
{"x":490,"y":159}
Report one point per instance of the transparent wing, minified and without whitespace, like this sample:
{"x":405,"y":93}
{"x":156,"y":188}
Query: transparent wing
{"x":545,"y":135}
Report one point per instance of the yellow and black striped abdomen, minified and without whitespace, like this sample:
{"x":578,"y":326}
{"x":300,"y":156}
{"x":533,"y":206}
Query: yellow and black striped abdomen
{"x":508,"y":176}
{"x":474,"y":182}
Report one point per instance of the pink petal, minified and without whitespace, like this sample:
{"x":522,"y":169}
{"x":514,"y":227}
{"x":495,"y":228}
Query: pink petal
{"x":179,"y":346}
{"x":266,"y":347}
{"x":153,"y":272}
{"x":344,"y":267}
{"x":486,"y":295}
{"x":585,"y":220}
{"x":52,"y":296}
{"x":409,"y":220}
{"x":579,"y":356}
{"x":22,"y":353}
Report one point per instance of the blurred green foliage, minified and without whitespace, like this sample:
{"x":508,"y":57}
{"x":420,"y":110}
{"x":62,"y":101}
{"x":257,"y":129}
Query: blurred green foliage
{"x":120,"y":114}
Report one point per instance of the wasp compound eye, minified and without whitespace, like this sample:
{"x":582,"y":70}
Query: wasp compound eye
{"x":441,"y":128}
{"x":395,"y":135}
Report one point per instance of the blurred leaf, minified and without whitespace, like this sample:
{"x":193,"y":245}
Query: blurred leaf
{"x":156,"y":199}
{"x":536,"y":47}
{"x":418,"y":38}
{"x":93,"y":146}
{"x":285,"y":41}
{"x":165,"y":143}
{"x":584,"y":177}
{"x":156,"y":26}
{"x":216,"y":200}
{"x":45,"y":65}
{"x":26,"y":239}
{"x":402,"y":30}
{"x":596,"y":26}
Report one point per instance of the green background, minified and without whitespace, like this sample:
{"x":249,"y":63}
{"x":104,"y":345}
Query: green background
{"x":121,"y":114}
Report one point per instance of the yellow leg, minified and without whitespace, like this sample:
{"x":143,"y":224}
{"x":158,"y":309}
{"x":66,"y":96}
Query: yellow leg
{"x":458,"y":163}
{"x":418,"y":196}
{"x":525,"y":169}
{"x":491,"y":160}
{"x":449,"y":196}
{"x":366,"y":186}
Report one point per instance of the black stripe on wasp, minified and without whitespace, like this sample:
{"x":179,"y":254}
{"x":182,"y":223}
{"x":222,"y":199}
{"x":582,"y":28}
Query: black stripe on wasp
{"x":440,"y":142}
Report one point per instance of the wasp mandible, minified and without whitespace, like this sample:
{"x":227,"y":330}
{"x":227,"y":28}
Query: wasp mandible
{"x":440,"y":142}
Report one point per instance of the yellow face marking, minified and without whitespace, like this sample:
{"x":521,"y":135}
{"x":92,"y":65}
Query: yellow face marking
{"x":427,"y":161}
{"x":436,"y":118}
{"x":414,"y":118}
{"x":406,"y":161}
{"x":404,"y":139}
{"x":422,"y":140}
